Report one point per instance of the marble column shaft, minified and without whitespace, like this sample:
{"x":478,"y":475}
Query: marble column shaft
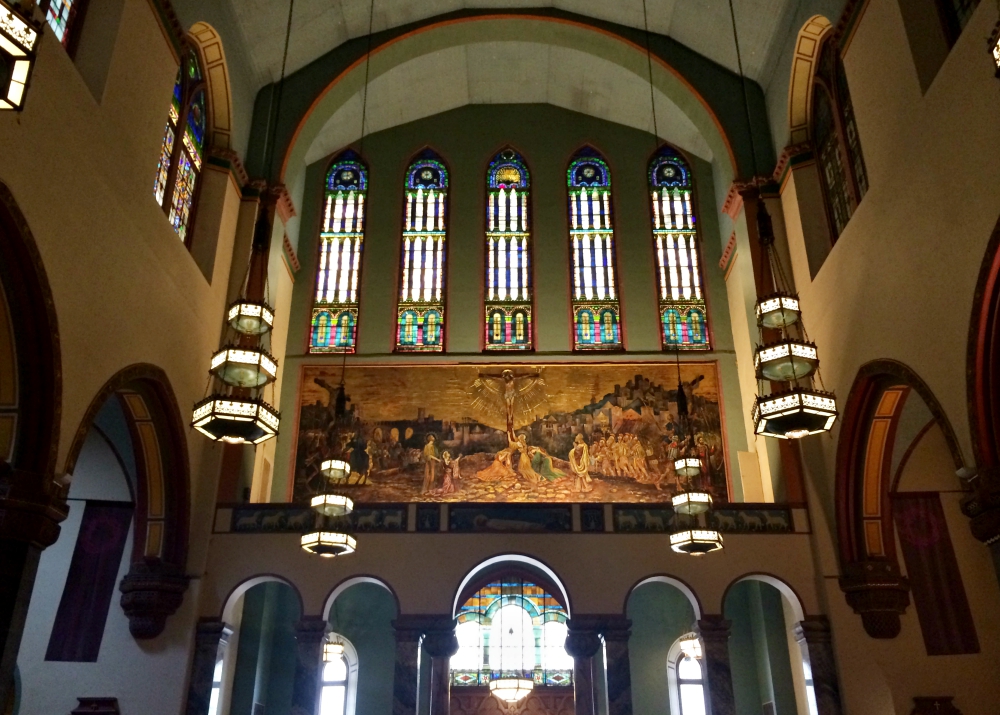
{"x":209,"y":634}
{"x":582,"y":644}
{"x":441,"y":645}
{"x":310,"y":632}
{"x":616,"y":631}
{"x":406,"y":672}
{"x":813,"y":635}
{"x":714,"y":633}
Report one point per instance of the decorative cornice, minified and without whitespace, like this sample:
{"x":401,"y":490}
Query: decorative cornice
{"x":729,"y":253}
{"x":230,"y":161}
{"x":172,"y":29}
{"x":283,"y":202}
{"x":791,"y":156}
{"x":290,"y":256}
{"x":848,"y":23}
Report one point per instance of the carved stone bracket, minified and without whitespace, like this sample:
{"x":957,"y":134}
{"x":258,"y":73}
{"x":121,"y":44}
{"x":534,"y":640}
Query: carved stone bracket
{"x":152,"y":591}
{"x":876,"y":591}
{"x":934,"y":706}
{"x":982,"y":506}
{"x":31,"y":506}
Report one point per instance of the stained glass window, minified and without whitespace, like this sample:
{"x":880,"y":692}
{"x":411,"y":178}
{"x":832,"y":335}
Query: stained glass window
{"x":511,"y":626}
{"x":61,"y":16}
{"x":596,"y":314}
{"x":683,"y":316}
{"x":835,"y":140}
{"x":420,"y":312}
{"x":183,"y":148}
{"x":955,"y":16}
{"x":509,"y":295}
{"x":335,"y":310}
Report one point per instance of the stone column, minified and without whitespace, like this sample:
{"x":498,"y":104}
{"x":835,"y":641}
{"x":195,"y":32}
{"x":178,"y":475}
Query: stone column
{"x":714,"y":633}
{"x":441,"y":644}
{"x":406,"y":674}
{"x":209,"y":635}
{"x":616,"y":631}
{"x":582,"y":643}
{"x":813,"y":635}
{"x":30,"y":512}
{"x":309,"y":635}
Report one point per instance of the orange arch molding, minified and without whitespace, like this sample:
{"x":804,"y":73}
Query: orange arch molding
{"x":481,"y":18}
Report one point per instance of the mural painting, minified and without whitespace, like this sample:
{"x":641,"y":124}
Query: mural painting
{"x":518,"y":433}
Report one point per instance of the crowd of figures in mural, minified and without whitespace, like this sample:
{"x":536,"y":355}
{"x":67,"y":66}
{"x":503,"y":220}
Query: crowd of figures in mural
{"x":602,"y":433}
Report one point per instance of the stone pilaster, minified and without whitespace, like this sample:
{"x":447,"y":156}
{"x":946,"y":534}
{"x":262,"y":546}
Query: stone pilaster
{"x":714,"y":633}
{"x":209,"y":635}
{"x":409,"y":630}
{"x":310,"y":633}
{"x":813,"y":635}
{"x":441,"y":644}
{"x":582,"y":643}
{"x":616,"y":630}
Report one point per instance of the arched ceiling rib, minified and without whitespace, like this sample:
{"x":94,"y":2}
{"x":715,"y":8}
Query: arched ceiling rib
{"x":507,"y":73}
{"x":702,"y":25}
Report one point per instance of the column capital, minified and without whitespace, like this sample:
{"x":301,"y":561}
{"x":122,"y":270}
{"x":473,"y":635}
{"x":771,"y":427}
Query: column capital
{"x":441,"y":644}
{"x":32,"y":507}
{"x":211,"y":630}
{"x":582,"y":644}
{"x":813,"y":630}
{"x":310,"y":630}
{"x":713,"y":628}
{"x":879,"y":593}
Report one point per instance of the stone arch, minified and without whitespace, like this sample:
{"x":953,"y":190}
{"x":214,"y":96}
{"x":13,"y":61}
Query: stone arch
{"x":871,"y":577}
{"x":785,"y":589}
{"x":208,"y":44}
{"x":530,"y":566}
{"x":229,"y":605}
{"x":807,"y":47}
{"x":352,"y":581}
{"x":155,"y":585}
{"x":680,"y":585}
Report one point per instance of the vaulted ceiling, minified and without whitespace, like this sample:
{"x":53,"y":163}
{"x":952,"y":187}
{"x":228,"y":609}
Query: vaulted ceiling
{"x":702,"y":25}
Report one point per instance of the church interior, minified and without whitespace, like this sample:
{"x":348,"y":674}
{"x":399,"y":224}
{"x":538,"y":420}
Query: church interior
{"x":499,"y":357}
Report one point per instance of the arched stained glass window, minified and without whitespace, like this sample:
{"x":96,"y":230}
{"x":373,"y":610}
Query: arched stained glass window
{"x":62,"y":18}
{"x":509,"y":293}
{"x":683,"y":315}
{"x":420,"y":312}
{"x":596,"y":314}
{"x":335,"y":310}
{"x":183,"y":148}
{"x":511,"y":626}
{"x":835,"y":139}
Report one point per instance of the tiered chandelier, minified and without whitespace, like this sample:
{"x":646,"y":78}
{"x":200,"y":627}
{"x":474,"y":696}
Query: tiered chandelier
{"x":788,"y":403}
{"x":19,"y":33}
{"x":331,"y":535}
{"x":235,"y":411}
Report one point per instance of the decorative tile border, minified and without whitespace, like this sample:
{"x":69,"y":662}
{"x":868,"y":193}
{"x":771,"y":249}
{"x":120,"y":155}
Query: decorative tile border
{"x":514,"y":518}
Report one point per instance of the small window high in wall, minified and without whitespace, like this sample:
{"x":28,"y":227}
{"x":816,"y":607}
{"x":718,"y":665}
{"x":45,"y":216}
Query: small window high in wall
{"x":63,"y":17}
{"x":335,"y":310}
{"x":420,"y":312}
{"x":596,"y":313}
{"x":183,"y":148}
{"x":686,"y":680}
{"x":683,"y":315}
{"x":835,"y":139}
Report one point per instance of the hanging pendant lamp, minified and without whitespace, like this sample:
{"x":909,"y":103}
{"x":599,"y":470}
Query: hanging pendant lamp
{"x":19,"y":33}
{"x":513,"y":684}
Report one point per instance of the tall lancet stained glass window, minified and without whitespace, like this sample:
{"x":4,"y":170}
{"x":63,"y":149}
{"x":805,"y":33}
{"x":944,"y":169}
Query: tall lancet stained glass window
{"x":335,"y":311}
{"x":420,"y":312}
{"x":596,"y":313}
{"x":683,"y":316}
{"x":183,"y":149}
{"x":508,"y":254}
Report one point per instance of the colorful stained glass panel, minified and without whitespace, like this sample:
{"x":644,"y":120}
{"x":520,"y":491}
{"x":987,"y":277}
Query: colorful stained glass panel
{"x":183,"y":196}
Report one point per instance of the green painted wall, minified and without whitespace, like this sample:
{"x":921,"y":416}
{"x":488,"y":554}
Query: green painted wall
{"x":266,"y":652}
{"x":660,"y":614}
{"x":547,"y":137}
{"x":363,"y":614}
{"x":758,"y":649}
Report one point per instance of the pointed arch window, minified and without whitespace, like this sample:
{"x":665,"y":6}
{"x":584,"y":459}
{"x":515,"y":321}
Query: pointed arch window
{"x":683,"y":314}
{"x":335,"y":309}
{"x":183,"y":148}
{"x":509,"y":293}
{"x":835,"y":139}
{"x":420,"y":311}
{"x":596,"y":312}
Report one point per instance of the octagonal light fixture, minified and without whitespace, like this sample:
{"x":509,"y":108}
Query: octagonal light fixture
{"x":794,"y":413}
{"x":696,"y":542}
{"x":18,"y":40}
{"x":244,"y":367}
{"x":693,"y":502}
{"x":225,"y":418}
{"x":250,"y":318}
{"x":687,"y":467}
{"x":328,"y":544}
{"x":786,"y":360}
{"x":778,"y":310}
{"x":332,"y":504}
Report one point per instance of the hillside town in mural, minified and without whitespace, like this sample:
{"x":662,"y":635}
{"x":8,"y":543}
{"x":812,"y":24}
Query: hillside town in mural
{"x":558,"y":433}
